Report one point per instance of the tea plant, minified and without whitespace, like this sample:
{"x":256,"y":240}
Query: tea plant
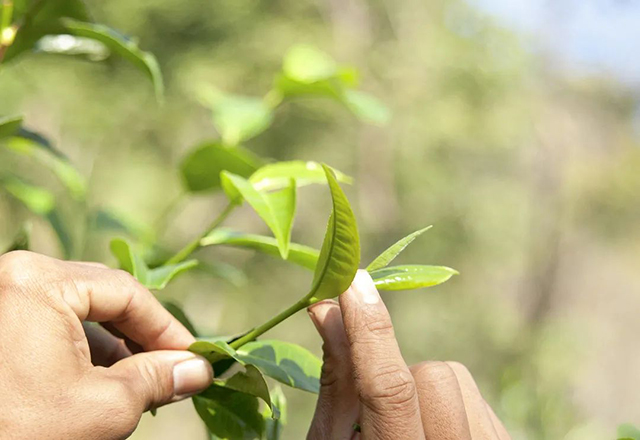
{"x":230,"y":406}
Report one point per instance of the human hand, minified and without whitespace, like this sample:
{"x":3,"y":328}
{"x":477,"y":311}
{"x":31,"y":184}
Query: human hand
{"x":365,"y":380}
{"x":61,"y":380}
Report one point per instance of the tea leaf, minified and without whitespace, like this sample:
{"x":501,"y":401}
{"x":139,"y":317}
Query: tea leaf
{"x":41,"y":202}
{"x":213,"y":351}
{"x":340,"y":254}
{"x":285,"y":362}
{"x":393,"y":251}
{"x":251,"y":381}
{"x":202,"y":167}
{"x":299,"y":254}
{"x":229,"y":414}
{"x":9,"y":125}
{"x":411,"y":277}
{"x":47,"y":21}
{"x":154,"y":279}
{"x":239,"y":118}
{"x":277,"y":209}
{"x":366,"y":107}
{"x":122,"y":46}
{"x":34,"y":145}
{"x":179,"y":314}
{"x":307,"y":64}
{"x":629,"y":431}
{"x":273,"y":428}
{"x":278,"y":175}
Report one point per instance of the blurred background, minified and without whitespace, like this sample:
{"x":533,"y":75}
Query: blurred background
{"x":515,"y":132}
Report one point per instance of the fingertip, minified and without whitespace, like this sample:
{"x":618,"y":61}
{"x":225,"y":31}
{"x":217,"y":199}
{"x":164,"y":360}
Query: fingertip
{"x":363,"y":289}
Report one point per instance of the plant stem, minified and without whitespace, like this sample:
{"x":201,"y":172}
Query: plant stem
{"x":253,"y":334}
{"x":184,"y":253}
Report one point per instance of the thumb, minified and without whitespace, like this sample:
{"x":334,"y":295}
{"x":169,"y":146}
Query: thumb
{"x":337,"y":408}
{"x":153,"y":379}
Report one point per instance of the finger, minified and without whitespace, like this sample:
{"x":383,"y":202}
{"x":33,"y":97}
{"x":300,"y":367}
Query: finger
{"x":114,"y":296}
{"x":390,"y":407}
{"x":117,"y":396}
{"x":480,"y":424}
{"x":337,"y":408}
{"x":497,"y":424}
{"x":156,"y":378}
{"x":105,"y":348}
{"x":441,"y":404}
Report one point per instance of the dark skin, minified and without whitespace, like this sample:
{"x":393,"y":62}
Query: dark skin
{"x":52,"y":358}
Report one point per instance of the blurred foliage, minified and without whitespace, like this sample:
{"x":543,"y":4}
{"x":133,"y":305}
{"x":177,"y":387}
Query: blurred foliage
{"x":529,"y":178}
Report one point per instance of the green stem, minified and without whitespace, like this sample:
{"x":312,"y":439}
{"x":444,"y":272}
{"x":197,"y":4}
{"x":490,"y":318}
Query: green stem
{"x":253,"y":334}
{"x":186,"y":251}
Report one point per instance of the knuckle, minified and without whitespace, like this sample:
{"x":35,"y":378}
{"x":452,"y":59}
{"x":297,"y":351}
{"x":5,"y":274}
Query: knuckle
{"x":391,"y":387}
{"x":333,"y":376}
{"x":433,"y":372}
{"x":16,"y":266}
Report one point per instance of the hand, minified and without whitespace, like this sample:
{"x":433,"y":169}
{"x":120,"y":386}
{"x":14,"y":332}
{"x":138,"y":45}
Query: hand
{"x":61,"y":380}
{"x":365,"y":380}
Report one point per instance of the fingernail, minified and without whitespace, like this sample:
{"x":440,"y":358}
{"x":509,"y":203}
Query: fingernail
{"x":191,"y":376}
{"x":364,"y":289}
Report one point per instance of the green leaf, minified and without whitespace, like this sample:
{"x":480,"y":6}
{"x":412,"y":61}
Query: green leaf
{"x":366,"y":107}
{"x":299,"y":254}
{"x":393,"y":251}
{"x":229,"y":414}
{"x":38,"y":200}
{"x":213,"y":351}
{"x":340,"y":253}
{"x":627,"y":430}
{"x":122,"y":46}
{"x":251,"y":381}
{"x":237,"y":118}
{"x":45,"y":19}
{"x":285,"y":362}
{"x":179,"y":314}
{"x":202,"y":167}
{"x":274,"y":427}
{"x":307,"y":64}
{"x":278,"y":175}
{"x":277,"y":209}
{"x":154,"y":279}
{"x":411,"y":277}
{"x":42,"y":202}
{"x":9,"y":125}
{"x":69,"y":45}
{"x":34,"y":145}
{"x":107,"y":219}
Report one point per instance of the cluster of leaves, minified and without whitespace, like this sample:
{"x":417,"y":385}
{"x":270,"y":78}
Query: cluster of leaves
{"x":230,"y":406}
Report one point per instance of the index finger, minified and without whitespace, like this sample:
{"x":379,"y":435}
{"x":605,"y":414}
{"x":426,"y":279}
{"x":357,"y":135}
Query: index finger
{"x":107,"y":295}
{"x":390,"y":406}
{"x":96,"y":293}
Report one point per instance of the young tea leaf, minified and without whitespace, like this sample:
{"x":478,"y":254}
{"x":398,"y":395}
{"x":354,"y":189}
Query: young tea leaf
{"x":202,"y":167}
{"x":239,"y":118}
{"x":366,"y":107}
{"x":299,"y":254}
{"x":213,"y":351}
{"x":285,"y":362}
{"x":393,"y":251}
{"x":122,"y":46}
{"x":278,"y":175}
{"x":154,"y":279}
{"x":340,"y":254}
{"x":410,"y":277}
{"x":277,"y":209}
{"x":229,"y":414}
{"x":307,"y":64}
